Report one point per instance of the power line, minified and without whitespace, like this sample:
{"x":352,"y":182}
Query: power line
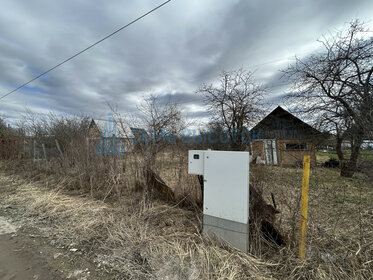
{"x":87,"y":48}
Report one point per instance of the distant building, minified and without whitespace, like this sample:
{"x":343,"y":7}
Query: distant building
{"x":366,"y":145}
{"x":368,"y":142}
{"x":100,"y":130}
{"x":285,"y":139}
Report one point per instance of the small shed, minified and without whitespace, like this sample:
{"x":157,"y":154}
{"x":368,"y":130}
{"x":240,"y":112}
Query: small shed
{"x":284,"y":139}
{"x":106,"y":130}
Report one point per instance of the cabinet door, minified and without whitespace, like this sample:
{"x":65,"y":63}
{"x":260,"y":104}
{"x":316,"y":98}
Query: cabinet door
{"x":226,"y":186}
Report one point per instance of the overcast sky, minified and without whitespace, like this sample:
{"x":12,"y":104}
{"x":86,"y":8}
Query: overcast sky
{"x":170,"y":52}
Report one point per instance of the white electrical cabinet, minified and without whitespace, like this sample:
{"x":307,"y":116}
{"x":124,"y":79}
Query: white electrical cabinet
{"x":226,"y":193}
{"x":195,"y":165}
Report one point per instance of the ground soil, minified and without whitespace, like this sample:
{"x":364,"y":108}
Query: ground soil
{"x":21,"y":259}
{"x":27,"y":253}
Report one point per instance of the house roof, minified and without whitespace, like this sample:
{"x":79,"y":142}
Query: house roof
{"x":280,"y":124}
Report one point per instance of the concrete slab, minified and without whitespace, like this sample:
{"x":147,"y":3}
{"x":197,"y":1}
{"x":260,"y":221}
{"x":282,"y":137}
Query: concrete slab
{"x":235,"y":233}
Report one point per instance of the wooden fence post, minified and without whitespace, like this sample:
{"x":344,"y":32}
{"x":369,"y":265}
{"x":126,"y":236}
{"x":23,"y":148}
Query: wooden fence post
{"x":59,"y":148}
{"x":34,"y":147}
{"x":45,"y":155}
{"x":88,"y":149}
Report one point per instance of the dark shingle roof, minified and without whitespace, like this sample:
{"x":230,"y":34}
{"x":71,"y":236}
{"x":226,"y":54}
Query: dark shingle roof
{"x":280,"y":124}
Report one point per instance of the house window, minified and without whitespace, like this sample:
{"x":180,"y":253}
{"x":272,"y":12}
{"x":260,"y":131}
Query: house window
{"x":296,"y":146}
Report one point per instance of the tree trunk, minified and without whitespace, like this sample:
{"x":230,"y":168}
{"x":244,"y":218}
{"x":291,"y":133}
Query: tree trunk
{"x":341,"y":159}
{"x":339,"y":148}
{"x":348,"y":168}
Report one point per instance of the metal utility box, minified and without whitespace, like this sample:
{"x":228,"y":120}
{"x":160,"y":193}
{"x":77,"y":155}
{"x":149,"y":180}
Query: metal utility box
{"x":226,"y":194}
{"x":196,"y":160}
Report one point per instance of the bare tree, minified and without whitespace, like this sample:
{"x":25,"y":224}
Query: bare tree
{"x":235,"y":104}
{"x":336,"y":86}
{"x":164,"y":122}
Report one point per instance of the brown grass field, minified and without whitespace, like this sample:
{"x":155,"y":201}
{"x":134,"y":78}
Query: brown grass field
{"x":136,"y":238}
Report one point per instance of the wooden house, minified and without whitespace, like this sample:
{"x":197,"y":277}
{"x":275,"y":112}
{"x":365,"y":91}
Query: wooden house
{"x":105,"y":131}
{"x":284,"y":139}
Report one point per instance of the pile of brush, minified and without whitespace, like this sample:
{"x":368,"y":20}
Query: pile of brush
{"x":262,"y":215}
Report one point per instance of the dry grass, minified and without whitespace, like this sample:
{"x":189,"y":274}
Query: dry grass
{"x":340,"y":223}
{"x":142,"y":239}
{"x":138,"y":241}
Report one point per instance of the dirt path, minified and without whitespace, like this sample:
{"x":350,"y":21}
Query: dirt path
{"x":29,"y":249}
{"x":20,"y":259}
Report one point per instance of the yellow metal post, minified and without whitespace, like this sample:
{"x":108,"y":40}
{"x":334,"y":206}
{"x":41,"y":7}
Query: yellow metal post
{"x":304,"y":207}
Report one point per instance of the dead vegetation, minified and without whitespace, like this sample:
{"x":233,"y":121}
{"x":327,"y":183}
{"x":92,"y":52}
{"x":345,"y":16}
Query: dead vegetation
{"x":135,"y":240}
{"x":143,"y":238}
{"x":139,"y":215}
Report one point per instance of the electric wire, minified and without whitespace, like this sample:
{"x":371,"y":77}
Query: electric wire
{"x":84,"y":50}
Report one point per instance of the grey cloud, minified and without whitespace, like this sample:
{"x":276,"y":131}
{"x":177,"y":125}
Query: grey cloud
{"x":171,"y":52}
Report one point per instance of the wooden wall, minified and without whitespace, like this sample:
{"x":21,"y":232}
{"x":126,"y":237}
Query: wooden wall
{"x":287,"y":157}
{"x":293,"y":157}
